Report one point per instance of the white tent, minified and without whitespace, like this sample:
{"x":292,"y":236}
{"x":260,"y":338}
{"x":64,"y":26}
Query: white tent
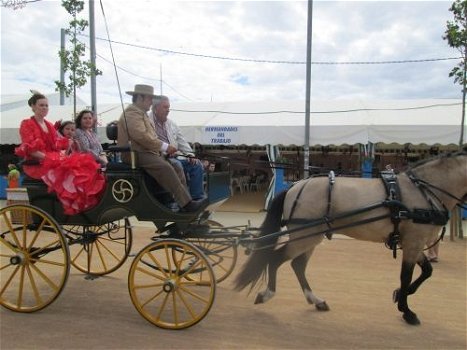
{"x":332,"y":122}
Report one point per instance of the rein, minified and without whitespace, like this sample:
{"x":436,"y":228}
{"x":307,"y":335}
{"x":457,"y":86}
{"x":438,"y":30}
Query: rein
{"x":425,"y":185}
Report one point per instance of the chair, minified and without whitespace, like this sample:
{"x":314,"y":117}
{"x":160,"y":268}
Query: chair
{"x":236,"y":182}
{"x":245,"y":183}
{"x":257,"y":184}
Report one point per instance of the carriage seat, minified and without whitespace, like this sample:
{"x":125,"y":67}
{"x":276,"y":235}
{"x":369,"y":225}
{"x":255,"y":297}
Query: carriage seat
{"x":111,"y":131}
{"x":153,"y":186}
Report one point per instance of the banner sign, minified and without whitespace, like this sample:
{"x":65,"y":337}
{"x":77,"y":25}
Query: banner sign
{"x":220,"y":135}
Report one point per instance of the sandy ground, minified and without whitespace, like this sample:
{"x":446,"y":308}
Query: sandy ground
{"x":356,"y":279}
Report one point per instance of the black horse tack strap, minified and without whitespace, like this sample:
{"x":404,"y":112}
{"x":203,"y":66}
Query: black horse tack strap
{"x":393,"y":196}
{"x":326,"y":219}
{"x":434,"y":216}
{"x":438,"y":214}
{"x":391,"y":185}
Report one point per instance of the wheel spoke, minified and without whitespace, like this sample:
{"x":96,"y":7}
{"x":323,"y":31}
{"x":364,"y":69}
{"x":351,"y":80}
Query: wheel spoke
{"x":107,"y":249}
{"x":8,"y":245}
{"x":193,"y":294}
{"x":34,"y":286}
{"x":8,"y":282}
{"x":187,"y":305}
{"x":152,"y":298}
{"x":36,"y":234}
{"x":158,"y":264}
{"x":46,"y":279}
{"x":19,"y":302}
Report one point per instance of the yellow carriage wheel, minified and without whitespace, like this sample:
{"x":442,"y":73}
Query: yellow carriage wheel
{"x":100,"y":249}
{"x":221,"y":252}
{"x":169,"y":290}
{"x":34,"y":258}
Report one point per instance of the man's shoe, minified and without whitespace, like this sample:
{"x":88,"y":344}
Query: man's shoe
{"x":194,"y":206}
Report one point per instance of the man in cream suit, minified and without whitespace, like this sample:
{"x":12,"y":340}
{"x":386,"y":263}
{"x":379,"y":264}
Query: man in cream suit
{"x":134,"y":126}
{"x":168,"y":131}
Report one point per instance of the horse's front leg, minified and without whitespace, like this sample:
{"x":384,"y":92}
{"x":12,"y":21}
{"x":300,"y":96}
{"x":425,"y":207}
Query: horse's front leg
{"x":407,"y":288}
{"x":299,"y":266}
{"x":400,"y":295}
{"x":427,"y":270}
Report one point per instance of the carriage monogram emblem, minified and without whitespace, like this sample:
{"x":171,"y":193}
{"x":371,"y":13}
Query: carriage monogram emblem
{"x":122,"y":191}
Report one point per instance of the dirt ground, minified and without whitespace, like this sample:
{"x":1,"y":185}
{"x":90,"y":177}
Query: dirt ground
{"x":356,"y":279}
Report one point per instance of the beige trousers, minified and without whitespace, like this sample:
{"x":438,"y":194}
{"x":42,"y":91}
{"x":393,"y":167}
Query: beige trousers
{"x":165,"y":175}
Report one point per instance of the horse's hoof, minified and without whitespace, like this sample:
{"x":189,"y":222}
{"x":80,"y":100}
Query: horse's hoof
{"x":395,"y":296}
{"x":411,"y":319}
{"x":323,"y":306}
{"x":259,"y":299}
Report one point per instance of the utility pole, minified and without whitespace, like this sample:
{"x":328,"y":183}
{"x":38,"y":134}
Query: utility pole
{"x":62,"y":69}
{"x":92,"y":44}
{"x":161,"y":77}
{"x":306,"y":146}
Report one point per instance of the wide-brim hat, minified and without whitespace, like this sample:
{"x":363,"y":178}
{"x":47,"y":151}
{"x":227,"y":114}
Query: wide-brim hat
{"x":141,"y":89}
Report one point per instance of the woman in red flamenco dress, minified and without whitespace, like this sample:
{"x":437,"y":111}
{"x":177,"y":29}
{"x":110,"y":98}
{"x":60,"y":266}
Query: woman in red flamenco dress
{"x":76,"y":179}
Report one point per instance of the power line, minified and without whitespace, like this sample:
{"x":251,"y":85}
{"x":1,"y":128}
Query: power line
{"x":283,"y":61}
{"x":324,"y":112}
{"x":146,"y":78}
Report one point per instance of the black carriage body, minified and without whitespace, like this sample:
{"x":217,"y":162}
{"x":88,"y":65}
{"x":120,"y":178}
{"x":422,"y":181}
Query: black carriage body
{"x":128,"y":192}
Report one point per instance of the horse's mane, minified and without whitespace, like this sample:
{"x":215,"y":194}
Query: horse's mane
{"x":441,"y":156}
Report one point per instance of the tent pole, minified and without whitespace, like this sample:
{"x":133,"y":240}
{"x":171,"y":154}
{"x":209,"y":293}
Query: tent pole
{"x":306,"y":146}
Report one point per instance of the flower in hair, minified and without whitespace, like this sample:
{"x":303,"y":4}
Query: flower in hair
{"x":57,"y":124}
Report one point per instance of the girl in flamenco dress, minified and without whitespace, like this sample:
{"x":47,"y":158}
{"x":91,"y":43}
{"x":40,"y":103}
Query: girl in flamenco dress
{"x":67,"y":130}
{"x":76,"y":178}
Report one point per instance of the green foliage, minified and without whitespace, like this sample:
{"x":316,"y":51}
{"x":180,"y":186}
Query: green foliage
{"x":456,"y":35}
{"x":72,"y":60}
{"x":282,"y":160}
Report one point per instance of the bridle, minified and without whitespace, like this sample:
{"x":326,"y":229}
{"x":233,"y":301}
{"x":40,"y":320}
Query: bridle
{"x":427,"y":190}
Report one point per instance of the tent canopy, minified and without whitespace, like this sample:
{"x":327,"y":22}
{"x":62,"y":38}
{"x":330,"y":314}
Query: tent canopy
{"x":332,"y":122}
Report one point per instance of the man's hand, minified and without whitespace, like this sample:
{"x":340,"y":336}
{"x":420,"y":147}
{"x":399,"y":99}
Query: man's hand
{"x":171,"y":150}
{"x":194,"y":160}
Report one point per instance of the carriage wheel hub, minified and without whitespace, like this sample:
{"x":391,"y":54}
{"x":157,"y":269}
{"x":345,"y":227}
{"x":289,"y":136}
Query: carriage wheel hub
{"x":169,"y":286}
{"x":18,"y":259}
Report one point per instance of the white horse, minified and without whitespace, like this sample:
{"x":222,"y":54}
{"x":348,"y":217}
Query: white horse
{"x":316,"y":206}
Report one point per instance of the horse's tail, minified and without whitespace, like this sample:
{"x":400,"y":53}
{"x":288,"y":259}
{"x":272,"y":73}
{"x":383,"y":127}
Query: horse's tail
{"x":257,"y":263}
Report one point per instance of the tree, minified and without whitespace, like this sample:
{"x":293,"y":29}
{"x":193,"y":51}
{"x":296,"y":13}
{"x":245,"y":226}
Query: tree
{"x":71,"y":60}
{"x":456,"y":35}
{"x":16,"y":4}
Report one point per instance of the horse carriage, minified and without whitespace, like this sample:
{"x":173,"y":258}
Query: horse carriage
{"x":172,"y":281}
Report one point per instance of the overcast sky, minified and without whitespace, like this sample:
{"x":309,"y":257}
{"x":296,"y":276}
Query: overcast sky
{"x":262,"y":45}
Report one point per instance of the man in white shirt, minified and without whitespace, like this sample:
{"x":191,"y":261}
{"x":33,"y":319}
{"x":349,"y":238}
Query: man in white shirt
{"x":168,"y":131}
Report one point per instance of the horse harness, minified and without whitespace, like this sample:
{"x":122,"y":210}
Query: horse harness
{"x":437,"y":214}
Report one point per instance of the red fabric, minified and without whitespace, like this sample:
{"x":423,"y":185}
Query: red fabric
{"x":76,"y":179}
{"x":34,"y":139}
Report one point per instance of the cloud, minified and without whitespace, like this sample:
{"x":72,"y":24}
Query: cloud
{"x":343,"y":31}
